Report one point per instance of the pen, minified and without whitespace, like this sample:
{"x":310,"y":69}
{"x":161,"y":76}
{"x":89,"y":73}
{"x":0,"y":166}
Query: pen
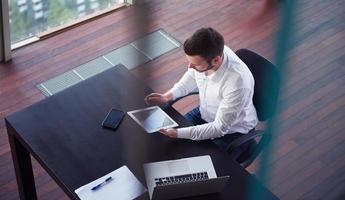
{"x":102,"y":184}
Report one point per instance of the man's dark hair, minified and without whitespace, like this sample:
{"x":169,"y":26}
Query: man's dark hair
{"x":205,"y":42}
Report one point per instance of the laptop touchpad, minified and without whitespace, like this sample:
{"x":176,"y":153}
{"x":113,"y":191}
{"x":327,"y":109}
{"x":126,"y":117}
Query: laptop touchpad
{"x":178,"y":166}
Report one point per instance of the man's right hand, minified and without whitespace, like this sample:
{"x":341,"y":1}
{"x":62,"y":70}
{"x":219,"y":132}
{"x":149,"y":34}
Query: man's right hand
{"x":157,"y":98}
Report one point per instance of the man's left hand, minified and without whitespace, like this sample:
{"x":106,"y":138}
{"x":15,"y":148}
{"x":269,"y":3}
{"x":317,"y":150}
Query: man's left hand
{"x":170,"y":132}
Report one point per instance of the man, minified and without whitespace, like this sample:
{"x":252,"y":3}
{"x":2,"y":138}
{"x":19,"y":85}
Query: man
{"x":225,"y":86}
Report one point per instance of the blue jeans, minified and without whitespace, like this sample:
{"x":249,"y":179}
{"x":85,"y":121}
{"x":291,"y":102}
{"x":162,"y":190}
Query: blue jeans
{"x":194,"y":116}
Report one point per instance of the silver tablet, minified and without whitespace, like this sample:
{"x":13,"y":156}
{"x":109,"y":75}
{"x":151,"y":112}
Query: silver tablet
{"x":152,"y":119}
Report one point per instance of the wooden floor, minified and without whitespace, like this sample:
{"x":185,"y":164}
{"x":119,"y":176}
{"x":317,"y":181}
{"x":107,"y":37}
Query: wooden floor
{"x":308,"y":156}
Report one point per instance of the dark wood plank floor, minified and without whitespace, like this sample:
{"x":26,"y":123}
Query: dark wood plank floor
{"x":308,"y":156}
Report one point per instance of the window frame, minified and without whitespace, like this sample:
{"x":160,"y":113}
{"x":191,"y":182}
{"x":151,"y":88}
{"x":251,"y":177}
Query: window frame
{"x":5,"y":41}
{"x":56,"y":30}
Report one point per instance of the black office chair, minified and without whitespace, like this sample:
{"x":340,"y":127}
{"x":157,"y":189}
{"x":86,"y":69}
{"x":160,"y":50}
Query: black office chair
{"x":266,"y":89}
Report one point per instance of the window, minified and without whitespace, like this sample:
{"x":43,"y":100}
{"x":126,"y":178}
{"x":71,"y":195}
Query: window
{"x":31,"y":18}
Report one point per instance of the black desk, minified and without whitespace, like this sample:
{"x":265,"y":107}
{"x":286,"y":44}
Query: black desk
{"x":64,"y":135}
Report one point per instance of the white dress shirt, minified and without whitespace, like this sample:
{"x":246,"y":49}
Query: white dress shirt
{"x":225,"y":99}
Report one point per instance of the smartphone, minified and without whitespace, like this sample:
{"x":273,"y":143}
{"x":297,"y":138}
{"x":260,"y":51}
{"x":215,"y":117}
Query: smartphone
{"x":113,"y":119}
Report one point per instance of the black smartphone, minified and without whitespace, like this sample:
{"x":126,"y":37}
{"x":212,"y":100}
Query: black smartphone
{"x":113,"y":119}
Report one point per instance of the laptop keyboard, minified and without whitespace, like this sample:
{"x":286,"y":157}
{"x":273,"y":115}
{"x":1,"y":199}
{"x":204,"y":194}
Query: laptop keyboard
{"x":181,"y":178}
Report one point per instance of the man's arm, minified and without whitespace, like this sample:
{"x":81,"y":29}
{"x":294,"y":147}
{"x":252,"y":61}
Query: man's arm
{"x":227,"y":113}
{"x":184,"y":86}
{"x":157,"y":98}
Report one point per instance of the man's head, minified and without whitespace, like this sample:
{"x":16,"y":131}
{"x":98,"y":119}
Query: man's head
{"x":204,"y":49}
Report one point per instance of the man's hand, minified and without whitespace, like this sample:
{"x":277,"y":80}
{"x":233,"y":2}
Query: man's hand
{"x":157,"y":98}
{"x":170,"y":132}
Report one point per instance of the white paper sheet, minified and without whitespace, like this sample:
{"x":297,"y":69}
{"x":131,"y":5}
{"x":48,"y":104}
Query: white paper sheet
{"x":123,"y":186}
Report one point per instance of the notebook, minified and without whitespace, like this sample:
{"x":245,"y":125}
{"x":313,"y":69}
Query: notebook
{"x":120,"y":184}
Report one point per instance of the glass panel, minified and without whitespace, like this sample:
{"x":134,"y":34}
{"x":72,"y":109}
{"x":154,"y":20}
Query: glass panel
{"x":30,"y":17}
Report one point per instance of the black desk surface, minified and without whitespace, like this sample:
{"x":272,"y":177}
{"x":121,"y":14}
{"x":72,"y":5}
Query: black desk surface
{"x":63,"y":132}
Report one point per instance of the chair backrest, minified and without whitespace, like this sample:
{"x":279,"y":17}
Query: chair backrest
{"x":267,"y":82}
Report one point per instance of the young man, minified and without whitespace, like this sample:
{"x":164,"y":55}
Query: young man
{"x":225,"y":86}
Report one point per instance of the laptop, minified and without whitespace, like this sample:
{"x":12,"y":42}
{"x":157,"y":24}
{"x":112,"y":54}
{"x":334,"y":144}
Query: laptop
{"x":183,"y":177}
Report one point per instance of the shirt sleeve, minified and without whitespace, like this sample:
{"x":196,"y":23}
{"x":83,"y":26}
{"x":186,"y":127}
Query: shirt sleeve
{"x":185,"y":85}
{"x":227,"y":113}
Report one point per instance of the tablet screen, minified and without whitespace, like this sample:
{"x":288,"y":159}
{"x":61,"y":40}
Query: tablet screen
{"x":152,"y":119}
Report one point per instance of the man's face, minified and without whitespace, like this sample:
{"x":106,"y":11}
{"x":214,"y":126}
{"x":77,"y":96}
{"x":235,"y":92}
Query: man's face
{"x":198,"y":63}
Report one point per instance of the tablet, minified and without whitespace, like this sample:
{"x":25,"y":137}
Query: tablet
{"x":152,"y":119}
